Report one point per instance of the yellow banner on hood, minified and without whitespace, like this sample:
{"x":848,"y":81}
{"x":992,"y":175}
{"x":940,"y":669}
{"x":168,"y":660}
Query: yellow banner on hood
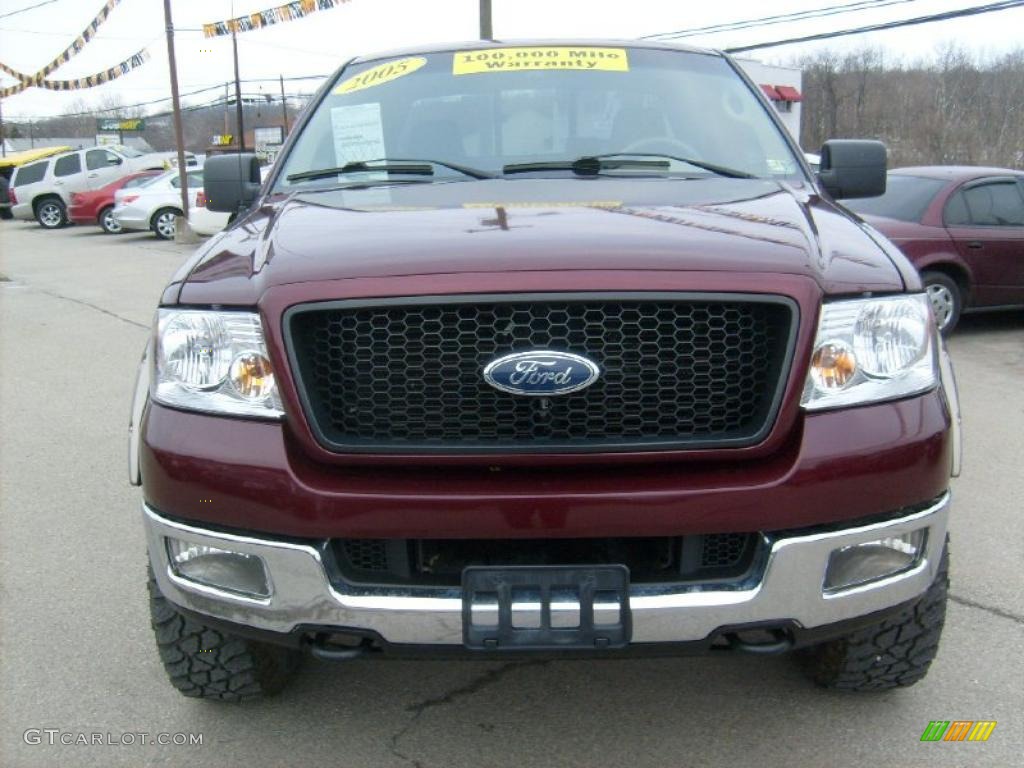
{"x":583,"y":58}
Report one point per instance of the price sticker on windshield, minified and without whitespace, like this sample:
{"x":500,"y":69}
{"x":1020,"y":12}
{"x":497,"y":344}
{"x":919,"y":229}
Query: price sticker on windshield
{"x":579,"y":58}
{"x":379,"y":75}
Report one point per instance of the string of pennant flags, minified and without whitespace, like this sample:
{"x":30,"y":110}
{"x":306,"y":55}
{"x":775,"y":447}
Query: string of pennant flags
{"x":277,"y":15}
{"x":296,"y":9}
{"x":90,"y":81}
{"x":38,"y":79}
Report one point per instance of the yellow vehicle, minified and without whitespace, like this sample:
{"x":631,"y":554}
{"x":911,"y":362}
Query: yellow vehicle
{"x":14,"y":159}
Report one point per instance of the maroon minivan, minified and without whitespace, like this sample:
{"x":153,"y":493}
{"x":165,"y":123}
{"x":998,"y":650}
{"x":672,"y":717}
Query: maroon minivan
{"x":546,"y":348}
{"x":963,"y":228}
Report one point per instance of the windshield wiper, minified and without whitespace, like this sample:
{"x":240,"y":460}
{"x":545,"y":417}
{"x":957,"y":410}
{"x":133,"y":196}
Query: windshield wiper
{"x":718,"y":170}
{"x":390,"y":165}
{"x":587,"y":166}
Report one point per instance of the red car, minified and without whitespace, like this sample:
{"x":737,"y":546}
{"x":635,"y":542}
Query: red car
{"x":95,"y":206}
{"x":962,"y":227}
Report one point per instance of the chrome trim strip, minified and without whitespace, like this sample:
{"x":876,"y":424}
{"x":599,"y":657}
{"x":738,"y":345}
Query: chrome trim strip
{"x":139,"y":400}
{"x":947,"y":377}
{"x":791,"y":588}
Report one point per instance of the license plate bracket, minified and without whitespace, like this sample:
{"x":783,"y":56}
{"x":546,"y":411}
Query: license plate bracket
{"x":546,"y":608}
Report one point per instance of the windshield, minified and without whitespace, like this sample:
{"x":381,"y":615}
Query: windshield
{"x":906,"y":198}
{"x":127,"y":151}
{"x":487,"y":109}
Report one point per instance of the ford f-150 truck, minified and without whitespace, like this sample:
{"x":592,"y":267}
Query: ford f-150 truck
{"x":547,"y":348}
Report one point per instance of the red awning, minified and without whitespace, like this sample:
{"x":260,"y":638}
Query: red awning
{"x":788,"y":93}
{"x":771,"y":93}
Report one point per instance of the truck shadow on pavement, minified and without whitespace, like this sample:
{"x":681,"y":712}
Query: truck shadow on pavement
{"x":564,"y":712}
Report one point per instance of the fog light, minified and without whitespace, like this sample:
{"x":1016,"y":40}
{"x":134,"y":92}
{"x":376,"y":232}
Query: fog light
{"x":873,"y":560}
{"x":221,"y":568}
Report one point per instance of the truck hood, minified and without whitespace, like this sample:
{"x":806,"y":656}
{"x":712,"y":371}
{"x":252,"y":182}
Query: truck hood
{"x":501,"y":226}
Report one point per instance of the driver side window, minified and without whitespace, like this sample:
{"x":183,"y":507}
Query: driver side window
{"x":96,"y":159}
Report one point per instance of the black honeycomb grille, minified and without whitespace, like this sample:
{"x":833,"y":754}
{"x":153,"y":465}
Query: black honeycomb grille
{"x":367,"y":554}
{"x":401,"y":376}
{"x":723,"y":550}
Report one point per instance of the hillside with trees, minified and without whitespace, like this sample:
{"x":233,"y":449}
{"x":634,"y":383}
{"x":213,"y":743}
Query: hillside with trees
{"x":955,"y":109}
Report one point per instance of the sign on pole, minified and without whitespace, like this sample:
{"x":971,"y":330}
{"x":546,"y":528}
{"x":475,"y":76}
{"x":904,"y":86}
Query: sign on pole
{"x":115,"y":124}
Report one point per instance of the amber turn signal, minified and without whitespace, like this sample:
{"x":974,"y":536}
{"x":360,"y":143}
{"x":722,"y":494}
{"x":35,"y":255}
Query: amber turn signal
{"x":833,"y":366}
{"x":251,"y":376}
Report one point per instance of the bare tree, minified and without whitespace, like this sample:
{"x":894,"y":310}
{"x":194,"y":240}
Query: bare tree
{"x":954,"y":108}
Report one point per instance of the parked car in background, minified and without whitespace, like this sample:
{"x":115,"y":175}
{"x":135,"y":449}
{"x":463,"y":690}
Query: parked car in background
{"x":42,"y":190}
{"x":97,"y":206}
{"x":154,"y":205}
{"x":962,"y":227}
{"x":10,"y":162}
{"x":5,"y":197}
{"x":152,"y":161}
{"x":202,"y":220}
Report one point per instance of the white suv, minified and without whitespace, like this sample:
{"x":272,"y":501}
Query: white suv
{"x":42,"y":190}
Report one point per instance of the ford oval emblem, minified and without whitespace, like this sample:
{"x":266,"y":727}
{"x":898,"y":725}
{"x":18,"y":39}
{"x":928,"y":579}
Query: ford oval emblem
{"x":541,"y":372}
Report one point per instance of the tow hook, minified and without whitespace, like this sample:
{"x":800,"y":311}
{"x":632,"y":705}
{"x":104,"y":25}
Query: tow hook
{"x":322,"y":648}
{"x":780,"y":642}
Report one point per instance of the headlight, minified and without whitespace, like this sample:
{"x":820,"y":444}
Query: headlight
{"x":215,"y":362}
{"x":868,"y":350}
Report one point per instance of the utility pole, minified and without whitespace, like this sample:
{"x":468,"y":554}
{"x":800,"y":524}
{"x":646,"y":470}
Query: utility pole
{"x":3,"y":144}
{"x":176,"y":102}
{"x":227,"y":103}
{"x":284,"y":107}
{"x":238,"y":94}
{"x":486,"y":28}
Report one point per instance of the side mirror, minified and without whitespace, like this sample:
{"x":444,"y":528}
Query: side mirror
{"x":852,"y":168}
{"x":231,"y":182}
{"x":114,"y":160}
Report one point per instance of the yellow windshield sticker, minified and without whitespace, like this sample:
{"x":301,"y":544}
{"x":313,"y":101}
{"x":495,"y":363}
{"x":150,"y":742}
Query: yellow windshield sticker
{"x":584,"y":58}
{"x":384,"y":73}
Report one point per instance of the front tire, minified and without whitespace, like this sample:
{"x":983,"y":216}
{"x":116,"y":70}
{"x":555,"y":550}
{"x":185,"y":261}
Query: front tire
{"x":51,"y":213}
{"x":163,"y":223}
{"x":107,"y":221}
{"x":207,"y":663}
{"x":946,"y":298}
{"x":895,"y":653}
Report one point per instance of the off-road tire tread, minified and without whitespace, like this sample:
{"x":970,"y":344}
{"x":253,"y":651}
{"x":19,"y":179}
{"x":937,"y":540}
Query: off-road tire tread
{"x":207,"y":663}
{"x":895,"y":653}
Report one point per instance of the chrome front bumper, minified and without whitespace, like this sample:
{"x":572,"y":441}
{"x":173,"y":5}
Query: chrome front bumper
{"x":790,"y":588}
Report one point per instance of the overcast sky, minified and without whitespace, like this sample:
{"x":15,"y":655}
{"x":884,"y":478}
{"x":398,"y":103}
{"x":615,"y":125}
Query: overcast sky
{"x":319,"y":43}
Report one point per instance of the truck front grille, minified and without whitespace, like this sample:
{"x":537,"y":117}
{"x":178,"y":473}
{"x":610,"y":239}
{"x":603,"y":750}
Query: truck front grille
{"x":439,"y":562}
{"x":677,"y":371}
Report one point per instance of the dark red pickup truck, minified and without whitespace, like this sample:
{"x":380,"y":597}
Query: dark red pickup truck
{"x":552,"y":348}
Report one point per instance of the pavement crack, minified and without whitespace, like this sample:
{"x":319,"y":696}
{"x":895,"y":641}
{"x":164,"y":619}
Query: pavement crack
{"x":91,"y":306}
{"x":987,"y":608}
{"x":488,"y":678}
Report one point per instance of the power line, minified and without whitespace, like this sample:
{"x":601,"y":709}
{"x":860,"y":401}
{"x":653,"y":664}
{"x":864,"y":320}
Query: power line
{"x":764,"y":21}
{"x":972,"y":11}
{"x":27,"y":8}
{"x":296,"y":78}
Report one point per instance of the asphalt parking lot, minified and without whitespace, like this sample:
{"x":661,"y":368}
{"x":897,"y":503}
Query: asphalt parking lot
{"x":77,"y":655}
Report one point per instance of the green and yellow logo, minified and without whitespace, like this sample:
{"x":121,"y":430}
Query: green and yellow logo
{"x":958,"y":730}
